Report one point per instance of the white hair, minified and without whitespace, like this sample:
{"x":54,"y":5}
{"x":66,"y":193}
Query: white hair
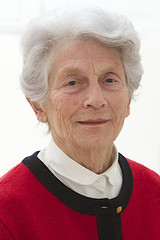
{"x":44,"y":34}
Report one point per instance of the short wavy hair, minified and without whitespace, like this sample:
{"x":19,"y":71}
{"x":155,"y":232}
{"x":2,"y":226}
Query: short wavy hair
{"x":44,"y":34}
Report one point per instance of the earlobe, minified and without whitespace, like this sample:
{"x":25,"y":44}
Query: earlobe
{"x":41,"y":115}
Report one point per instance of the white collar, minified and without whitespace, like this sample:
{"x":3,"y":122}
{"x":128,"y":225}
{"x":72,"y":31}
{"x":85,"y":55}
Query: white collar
{"x":55,"y":159}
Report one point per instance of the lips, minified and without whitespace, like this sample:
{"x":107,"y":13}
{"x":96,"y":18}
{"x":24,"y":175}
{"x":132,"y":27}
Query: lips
{"x":93,"y":122}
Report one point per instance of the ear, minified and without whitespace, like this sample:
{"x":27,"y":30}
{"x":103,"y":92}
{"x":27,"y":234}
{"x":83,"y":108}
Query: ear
{"x":41,"y":115}
{"x":128,"y":108}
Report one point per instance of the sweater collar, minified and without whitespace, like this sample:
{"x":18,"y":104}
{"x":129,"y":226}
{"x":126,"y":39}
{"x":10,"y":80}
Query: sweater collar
{"x":79,"y":202}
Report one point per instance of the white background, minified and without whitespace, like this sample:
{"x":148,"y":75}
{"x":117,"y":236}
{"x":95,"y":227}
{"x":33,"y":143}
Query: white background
{"x":20,"y":134}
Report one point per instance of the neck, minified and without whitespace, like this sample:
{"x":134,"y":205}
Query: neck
{"x":96,"y":160}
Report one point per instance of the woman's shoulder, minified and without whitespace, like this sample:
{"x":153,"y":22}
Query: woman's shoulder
{"x":11,"y":186}
{"x":15,"y":180}
{"x":18,"y":171}
{"x":12,"y":175}
{"x":143,"y":174}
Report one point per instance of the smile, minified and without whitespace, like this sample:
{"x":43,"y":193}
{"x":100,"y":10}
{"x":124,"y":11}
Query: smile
{"x":93,"y":122}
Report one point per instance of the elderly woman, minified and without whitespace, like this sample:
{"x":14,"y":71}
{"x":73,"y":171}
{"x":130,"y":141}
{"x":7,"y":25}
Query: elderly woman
{"x":80,"y":71}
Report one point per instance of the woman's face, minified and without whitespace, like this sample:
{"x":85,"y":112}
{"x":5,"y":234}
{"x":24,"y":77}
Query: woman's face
{"x":89,"y":98}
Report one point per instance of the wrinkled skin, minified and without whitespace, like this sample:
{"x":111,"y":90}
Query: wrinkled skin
{"x":88,"y":101}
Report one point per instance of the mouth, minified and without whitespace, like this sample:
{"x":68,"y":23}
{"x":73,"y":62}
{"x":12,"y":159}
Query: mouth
{"x":92,"y":122}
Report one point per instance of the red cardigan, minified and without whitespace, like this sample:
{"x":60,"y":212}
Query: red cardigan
{"x":34,"y":205}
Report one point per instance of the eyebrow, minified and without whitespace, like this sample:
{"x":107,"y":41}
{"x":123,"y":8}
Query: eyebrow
{"x":71,"y":70}
{"x":80,"y":71}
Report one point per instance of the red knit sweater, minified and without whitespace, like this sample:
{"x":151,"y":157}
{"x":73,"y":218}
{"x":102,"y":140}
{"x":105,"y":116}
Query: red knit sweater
{"x":34,"y":206}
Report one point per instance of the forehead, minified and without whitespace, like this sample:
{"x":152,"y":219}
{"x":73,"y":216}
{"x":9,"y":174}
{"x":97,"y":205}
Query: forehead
{"x":80,"y":54}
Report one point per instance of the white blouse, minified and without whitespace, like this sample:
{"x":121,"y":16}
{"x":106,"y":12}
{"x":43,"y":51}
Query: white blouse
{"x":81,"y":179}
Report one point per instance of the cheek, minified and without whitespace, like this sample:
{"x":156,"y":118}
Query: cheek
{"x":63,"y":123}
{"x":120,"y":106}
{"x":69,"y":106}
{"x":64,"y":107}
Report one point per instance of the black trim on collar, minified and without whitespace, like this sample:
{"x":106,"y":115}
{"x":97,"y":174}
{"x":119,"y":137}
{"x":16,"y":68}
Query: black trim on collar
{"x":89,"y":206}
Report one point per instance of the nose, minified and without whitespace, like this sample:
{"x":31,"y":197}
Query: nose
{"x":95,"y":97}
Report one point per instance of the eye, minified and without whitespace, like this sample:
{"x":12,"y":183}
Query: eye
{"x":72,"y":83}
{"x":109,"y":80}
